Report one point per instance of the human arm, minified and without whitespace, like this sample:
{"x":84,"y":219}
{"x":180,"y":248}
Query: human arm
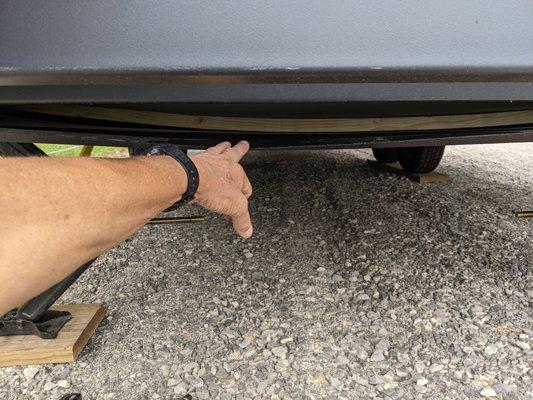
{"x":57,"y":213}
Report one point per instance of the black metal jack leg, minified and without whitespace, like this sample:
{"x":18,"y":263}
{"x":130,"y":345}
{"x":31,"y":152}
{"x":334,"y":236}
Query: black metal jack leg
{"x":35,"y":318}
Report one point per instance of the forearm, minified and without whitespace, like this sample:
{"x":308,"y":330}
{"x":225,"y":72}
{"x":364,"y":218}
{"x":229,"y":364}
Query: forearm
{"x":56,"y":214}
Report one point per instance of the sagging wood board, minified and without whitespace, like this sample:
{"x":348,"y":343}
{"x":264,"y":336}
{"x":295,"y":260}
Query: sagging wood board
{"x":396,"y":168}
{"x":29,"y":349}
{"x":290,"y":125}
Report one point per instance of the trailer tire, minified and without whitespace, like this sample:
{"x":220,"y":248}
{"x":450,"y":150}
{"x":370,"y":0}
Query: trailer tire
{"x":138,"y":151}
{"x":420,"y":160}
{"x":142,"y":151}
{"x":20,"y":150}
{"x":385,"y":155}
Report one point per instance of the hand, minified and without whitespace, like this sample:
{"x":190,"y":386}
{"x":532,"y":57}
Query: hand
{"x":224,"y":186}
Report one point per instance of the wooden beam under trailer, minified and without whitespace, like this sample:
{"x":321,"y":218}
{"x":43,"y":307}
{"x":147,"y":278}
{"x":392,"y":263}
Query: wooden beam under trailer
{"x":293,"y":125}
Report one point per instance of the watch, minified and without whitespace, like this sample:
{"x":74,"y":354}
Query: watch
{"x":193,"y":179}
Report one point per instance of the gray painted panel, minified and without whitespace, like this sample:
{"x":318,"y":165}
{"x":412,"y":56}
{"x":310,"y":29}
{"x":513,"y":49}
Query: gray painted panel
{"x":274,"y":93}
{"x":244,"y":35}
{"x":122,"y":45}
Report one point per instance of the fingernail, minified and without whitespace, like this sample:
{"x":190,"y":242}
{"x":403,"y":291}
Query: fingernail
{"x":248,"y":233}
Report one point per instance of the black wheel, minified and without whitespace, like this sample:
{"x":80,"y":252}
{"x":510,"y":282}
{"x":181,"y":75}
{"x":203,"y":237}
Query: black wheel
{"x":385,"y":156}
{"x":420,"y":159}
{"x":20,"y":150}
{"x":142,"y":151}
{"x":138,"y":151}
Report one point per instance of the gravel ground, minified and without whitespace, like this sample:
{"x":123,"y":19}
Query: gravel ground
{"x":357,"y":284}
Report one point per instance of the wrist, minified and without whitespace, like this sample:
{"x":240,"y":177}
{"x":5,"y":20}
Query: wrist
{"x":188,"y":167}
{"x":176,"y":177}
{"x":197,"y":161}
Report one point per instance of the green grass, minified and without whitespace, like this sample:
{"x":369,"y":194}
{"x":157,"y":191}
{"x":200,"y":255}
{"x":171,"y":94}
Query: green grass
{"x":68,"y":150}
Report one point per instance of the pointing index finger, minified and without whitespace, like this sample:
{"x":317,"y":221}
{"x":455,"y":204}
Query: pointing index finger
{"x":238,"y":151}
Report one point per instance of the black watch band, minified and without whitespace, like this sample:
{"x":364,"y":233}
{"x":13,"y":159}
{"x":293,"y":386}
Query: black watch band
{"x":193,"y":179}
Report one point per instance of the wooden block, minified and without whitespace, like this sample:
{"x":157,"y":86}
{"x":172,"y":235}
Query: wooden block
{"x":395,"y":168}
{"x":29,"y":349}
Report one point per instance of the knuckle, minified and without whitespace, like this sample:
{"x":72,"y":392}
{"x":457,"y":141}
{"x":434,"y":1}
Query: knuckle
{"x":236,"y":171}
{"x":242,"y":204}
{"x":236,"y":167}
